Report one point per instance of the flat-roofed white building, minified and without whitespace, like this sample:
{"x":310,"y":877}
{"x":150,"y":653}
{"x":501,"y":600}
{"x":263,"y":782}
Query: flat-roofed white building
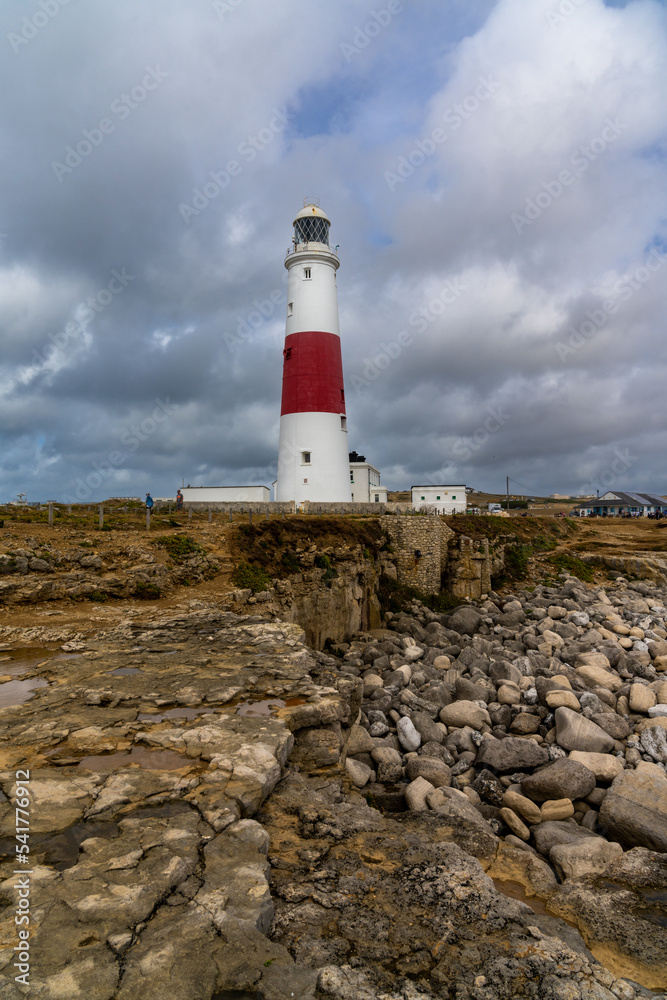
{"x":225,"y":494}
{"x":444,"y":499}
{"x":365,"y":484}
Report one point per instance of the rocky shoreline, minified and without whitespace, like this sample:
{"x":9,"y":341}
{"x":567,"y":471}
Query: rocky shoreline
{"x":220,"y":812}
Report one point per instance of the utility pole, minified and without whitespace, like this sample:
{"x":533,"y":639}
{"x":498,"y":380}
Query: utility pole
{"x":507,"y":488}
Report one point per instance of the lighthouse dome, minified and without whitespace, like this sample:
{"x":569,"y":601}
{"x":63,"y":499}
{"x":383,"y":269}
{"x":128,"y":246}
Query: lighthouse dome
{"x":311,"y":225}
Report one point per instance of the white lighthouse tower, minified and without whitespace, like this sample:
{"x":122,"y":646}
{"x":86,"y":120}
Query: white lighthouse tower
{"x":313,"y":461}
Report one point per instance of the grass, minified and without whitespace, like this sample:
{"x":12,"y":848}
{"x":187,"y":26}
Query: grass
{"x":249,"y":577}
{"x":273,"y":545}
{"x":147,"y":591}
{"x":571,"y":564}
{"x":179,"y":547}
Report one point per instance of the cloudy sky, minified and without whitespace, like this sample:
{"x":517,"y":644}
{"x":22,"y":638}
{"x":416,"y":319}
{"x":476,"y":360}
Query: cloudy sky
{"x":496,"y":176}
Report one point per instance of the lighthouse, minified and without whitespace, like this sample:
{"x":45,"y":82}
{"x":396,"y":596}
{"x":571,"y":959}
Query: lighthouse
{"x":313,"y":461}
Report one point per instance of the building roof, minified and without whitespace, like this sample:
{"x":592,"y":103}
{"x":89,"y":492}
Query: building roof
{"x":310,"y":210}
{"x":626,"y":500}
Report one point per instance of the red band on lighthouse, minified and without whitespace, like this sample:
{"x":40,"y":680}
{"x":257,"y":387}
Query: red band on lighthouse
{"x":312,"y":373}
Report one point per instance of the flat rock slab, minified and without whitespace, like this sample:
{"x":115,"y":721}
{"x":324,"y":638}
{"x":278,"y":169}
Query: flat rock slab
{"x":146,"y":866}
{"x":618,"y":915}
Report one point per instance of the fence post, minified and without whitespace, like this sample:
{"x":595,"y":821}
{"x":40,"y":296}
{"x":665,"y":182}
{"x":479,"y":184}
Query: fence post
{"x":125,"y":509}
{"x":101,"y":515}
{"x":189,"y":513}
{"x":249,"y":517}
{"x":50,"y":515}
{"x":231,"y":516}
{"x":267,"y":515}
{"x":69,"y":508}
{"x":210,"y":515}
{"x":148,"y":518}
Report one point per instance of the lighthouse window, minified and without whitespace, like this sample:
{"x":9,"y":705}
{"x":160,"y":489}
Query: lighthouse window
{"x":288,"y":353}
{"x":311,"y":229}
{"x":290,"y":308}
{"x":343,"y":423}
{"x":306,"y":272}
{"x":305,"y":458}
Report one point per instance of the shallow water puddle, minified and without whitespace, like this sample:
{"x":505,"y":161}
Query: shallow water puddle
{"x":18,"y":692}
{"x":516,"y":891}
{"x":152,"y":760}
{"x":267,"y":706}
{"x":175,"y":713}
{"x":124,"y":671}
{"x":61,"y":851}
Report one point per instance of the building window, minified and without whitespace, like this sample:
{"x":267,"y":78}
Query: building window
{"x":352,"y":477}
{"x":343,"y":423}
{"x":437,"y":498}
{"x":305,"y":482}
{"x":453,"y":498}
{"x":423,"y":498}
{"x":306,"y":272}
{"x":377,"y":497}
{"x":290,"y":308}
{"x":305,"y":458}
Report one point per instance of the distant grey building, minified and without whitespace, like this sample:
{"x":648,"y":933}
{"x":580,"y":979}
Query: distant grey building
{"x":621,"y":503}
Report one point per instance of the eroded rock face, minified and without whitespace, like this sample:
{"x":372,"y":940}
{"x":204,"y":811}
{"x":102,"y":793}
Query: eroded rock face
{"x":379,"y":772}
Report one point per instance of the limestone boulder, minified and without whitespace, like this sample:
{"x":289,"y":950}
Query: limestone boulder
{"x":588,"y":856}
{"x":564,"y":779}
{"x":510,"y":754}
{"x":408,"y":736}
{"x":434,"y":771}
{"x":574,"y":732}
{"x":416,"y":794}
{"x":634,"y":810}
{"x":464,"y":713}
{"x":604,"y":766}
{"x":389,"y":764}
{"x":358,"y":772}
{"x":613,"y":724}
{"x":641,"y":698}
{"x":465,"y":620}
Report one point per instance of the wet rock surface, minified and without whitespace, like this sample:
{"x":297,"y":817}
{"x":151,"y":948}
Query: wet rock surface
{"x":218,"y":811}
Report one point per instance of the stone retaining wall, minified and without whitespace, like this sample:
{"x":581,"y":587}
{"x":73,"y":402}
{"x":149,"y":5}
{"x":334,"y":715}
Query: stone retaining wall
{"x":257,"y":507}
{"x":422,"y":544}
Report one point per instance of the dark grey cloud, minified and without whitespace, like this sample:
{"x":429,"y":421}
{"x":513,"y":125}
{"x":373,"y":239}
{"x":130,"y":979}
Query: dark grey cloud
{"x":171,"y":146}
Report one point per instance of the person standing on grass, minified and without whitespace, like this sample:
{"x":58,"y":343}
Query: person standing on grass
{"x":179,"y":500}
{"x":149,"y":502}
